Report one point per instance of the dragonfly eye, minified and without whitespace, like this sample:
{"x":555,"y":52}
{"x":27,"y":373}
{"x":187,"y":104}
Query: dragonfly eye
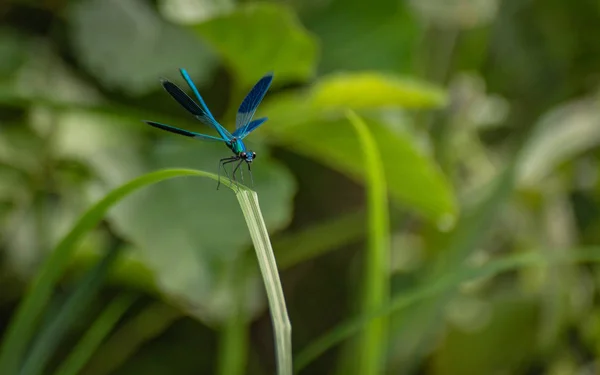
{"x":253,"y":155}
{"x":243,"y":154}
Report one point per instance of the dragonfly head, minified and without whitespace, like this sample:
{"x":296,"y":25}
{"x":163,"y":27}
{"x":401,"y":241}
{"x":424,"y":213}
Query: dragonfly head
{"x":248,"y":156}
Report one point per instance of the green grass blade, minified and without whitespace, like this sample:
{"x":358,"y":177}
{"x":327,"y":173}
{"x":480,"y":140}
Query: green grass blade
{"x":233,"y":334}
{"x":434,"y":289}
{"x":266,"y":260}
{"x":101,"y":327}
{"x":51,"y":336}
{"x":375,"y":293}
{"x":233,"y":346}
{"x":23,"y":324}
{"x":145,"y":326}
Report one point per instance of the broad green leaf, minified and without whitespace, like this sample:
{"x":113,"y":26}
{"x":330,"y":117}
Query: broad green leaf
{"x":137,"y":48}
{"x":364,"y":90}
{"x":413,"y":179}
{"x":560,"y":135}
{"x":256,"y":38}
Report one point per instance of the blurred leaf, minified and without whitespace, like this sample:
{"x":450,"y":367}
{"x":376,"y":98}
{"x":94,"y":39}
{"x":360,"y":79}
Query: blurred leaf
{"x":137,"y":48}
{"x":417,"y":328}
{"x":560,"y":135}
{"x":13,"y":49}
{"x":513,"y":326}
{"x":360,"y":35}
{"x":463,"y":14}
{"x":318,"y":239}
{"x":375,"y":90}
{"x":434,"y":287}
{"x":188,"y":232}
{"x":412,"y":177}
{"x":185,"y":11}
{"x":256,"y":38}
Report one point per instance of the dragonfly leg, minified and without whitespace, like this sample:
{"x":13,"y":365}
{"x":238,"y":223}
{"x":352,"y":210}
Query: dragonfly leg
{"x":236,"y":168}
{"x":251,"y":177}
{"x":222,"y":163}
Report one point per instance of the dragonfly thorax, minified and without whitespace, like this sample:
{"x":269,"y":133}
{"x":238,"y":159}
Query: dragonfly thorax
{"x":239,"y":149}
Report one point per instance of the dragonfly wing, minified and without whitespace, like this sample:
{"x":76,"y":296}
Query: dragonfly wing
{"x":175,"y":130}
{"x":192,"y":86}
{"x":251,"y":102}
{"x":243,"y":132}
{"x":191,"y":106}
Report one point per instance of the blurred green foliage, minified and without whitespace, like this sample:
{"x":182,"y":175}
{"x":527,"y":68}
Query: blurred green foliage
{"x":485,"y":114}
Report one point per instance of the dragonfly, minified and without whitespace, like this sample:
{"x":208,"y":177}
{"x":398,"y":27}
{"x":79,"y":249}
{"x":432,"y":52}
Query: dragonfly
{"x":244,"y":123}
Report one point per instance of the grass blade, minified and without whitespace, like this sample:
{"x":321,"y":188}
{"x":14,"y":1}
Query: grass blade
{"x":51,"y":336}
{"x":375,"y":293}
{"x":233,"y":334}
{"x":95,"y":335}
{"x":266,"y":260}
{"x":23,"y":324}
{"x":145,"y":326}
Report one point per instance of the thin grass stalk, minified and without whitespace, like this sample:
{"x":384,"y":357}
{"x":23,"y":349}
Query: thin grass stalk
{"x":266,"y":260}
{"x":99,"y":330}
{"x":50,"y":337}
{"x":376,"y":274}
{"x":233,"y":334}
{"x":147,"y":325}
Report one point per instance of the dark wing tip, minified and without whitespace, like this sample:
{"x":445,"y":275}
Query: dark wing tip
{"x":268,"y":76}
{"x":165,"y":82}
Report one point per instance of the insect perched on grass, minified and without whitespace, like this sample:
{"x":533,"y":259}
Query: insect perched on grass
{"x":244,"y":124}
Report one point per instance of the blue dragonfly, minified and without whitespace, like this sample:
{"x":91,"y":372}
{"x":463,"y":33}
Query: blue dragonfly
{"x":244,"y":124}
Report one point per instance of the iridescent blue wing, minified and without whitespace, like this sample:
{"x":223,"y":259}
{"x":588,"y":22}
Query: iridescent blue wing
{"x":191,"y":106}
{"x":251,"y":102}
{"x":175,"y":130}
{"x":243,"y":132}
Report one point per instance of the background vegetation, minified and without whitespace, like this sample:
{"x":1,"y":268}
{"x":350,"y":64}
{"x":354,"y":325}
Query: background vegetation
{"x":482,"y":124}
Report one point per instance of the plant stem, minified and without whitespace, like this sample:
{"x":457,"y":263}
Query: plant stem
{"x":233,"y":344}
{"x":375,"y":291}
{"x":268,"y":268}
